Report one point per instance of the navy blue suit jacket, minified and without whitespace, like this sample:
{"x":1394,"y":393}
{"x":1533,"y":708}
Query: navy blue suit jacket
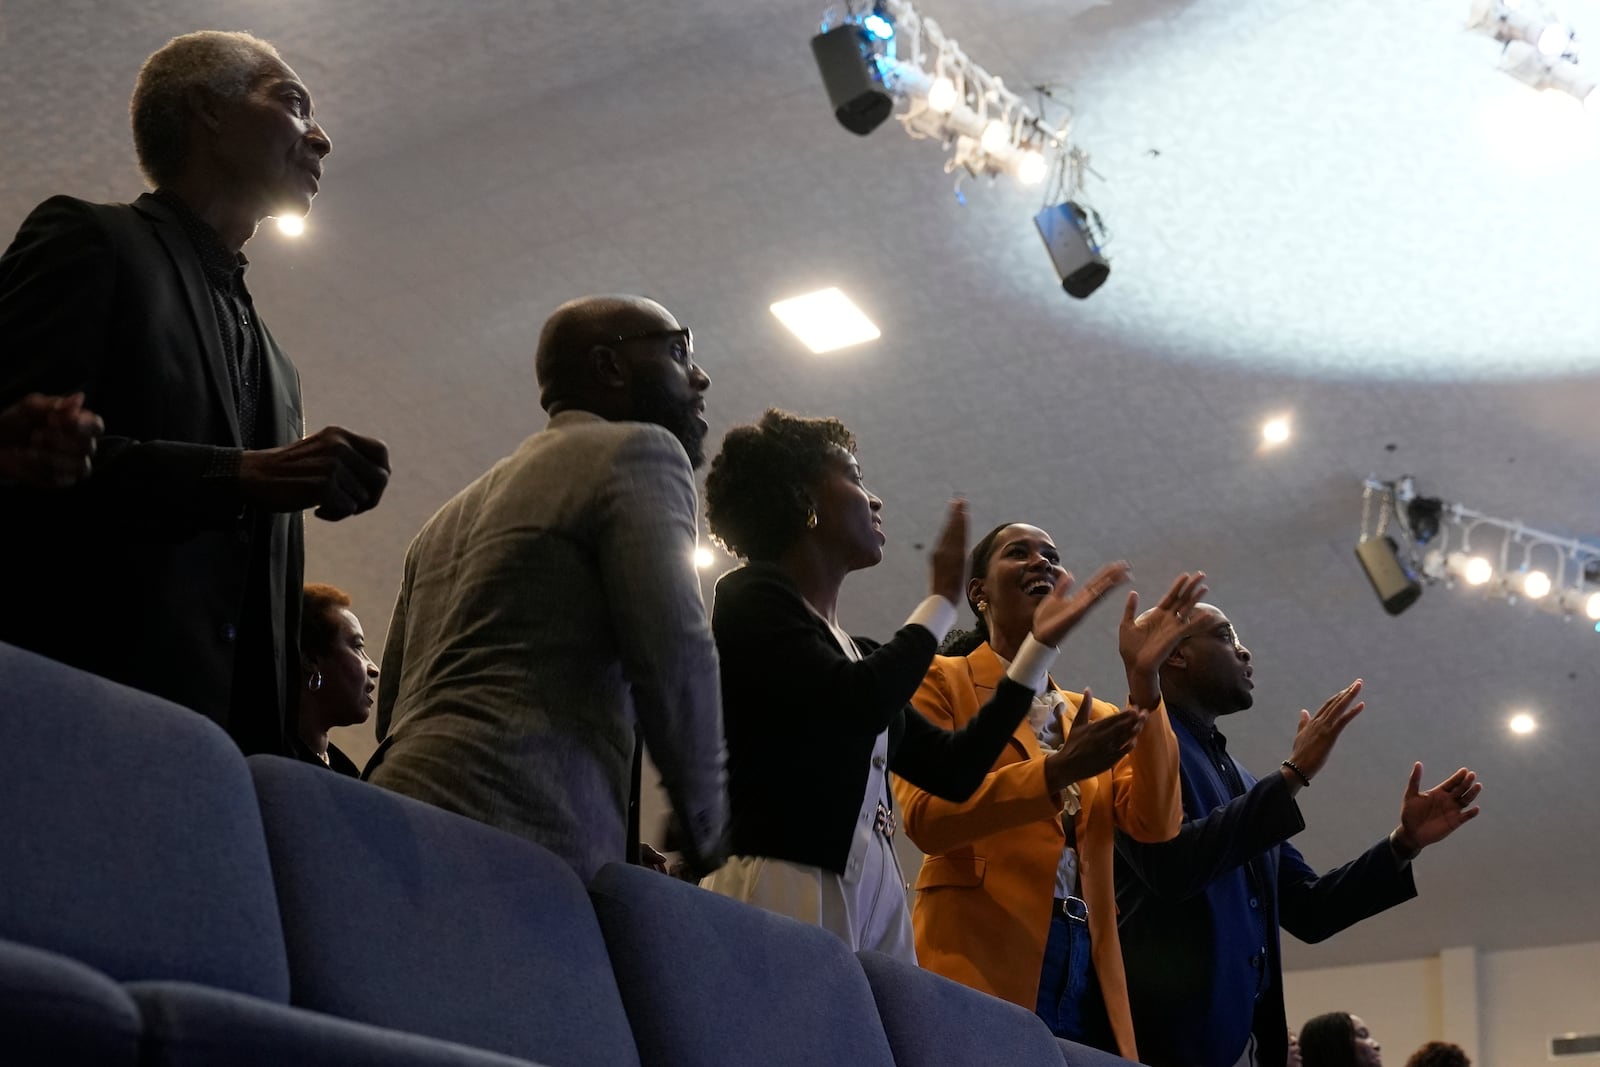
{"x":1200,"y":935}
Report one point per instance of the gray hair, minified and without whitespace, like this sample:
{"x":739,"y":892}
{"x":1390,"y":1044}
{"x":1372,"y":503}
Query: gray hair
{"x":225,"y":63}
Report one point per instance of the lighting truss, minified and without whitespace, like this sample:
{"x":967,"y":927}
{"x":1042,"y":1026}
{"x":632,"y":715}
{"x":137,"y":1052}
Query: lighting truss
{"x":986,"y":128}
{"x":1448,"y":543}
{"x":1541,"y":48}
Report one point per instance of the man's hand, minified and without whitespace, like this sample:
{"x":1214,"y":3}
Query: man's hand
{"x":1426,"y":818}
{"x":47,"y":442}
{"x":338,"y":472}
{"x":1316,"y":735}
{"x":1091,"y":746}
{"x":1063,"y":607}
{"x":1146,"y":641}
{"x":651,"y":858}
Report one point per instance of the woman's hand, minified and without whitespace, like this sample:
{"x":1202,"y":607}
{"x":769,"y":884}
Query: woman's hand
{"x":1063,"y":607}
{"x":1091,"y":747}
{"x":949,"y":556}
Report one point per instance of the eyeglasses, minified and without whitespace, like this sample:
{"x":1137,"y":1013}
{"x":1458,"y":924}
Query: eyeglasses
{"x":681,"y":339}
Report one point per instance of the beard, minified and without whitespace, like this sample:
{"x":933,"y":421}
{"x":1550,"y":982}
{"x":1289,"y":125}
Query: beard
{"x":654,"y":403}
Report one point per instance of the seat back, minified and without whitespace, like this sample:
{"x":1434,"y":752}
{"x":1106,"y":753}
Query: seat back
{"x":132,"y":838}
{"x":933,"y":1022}
{"x":403,"y":915}
{"x":709,"y":981}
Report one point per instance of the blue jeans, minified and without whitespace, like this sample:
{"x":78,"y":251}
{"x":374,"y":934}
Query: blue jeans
{"x":1069,"y":995}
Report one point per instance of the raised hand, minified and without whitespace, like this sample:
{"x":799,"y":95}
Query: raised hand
{"x":1316,"y":735}
{"x":1145,"y":641}
{"x":1091,"y":746}
{"x":1426,"y":818}
{"x":949,"y":555}
{"x":338,"y":472}
{"x":1063,"y":607}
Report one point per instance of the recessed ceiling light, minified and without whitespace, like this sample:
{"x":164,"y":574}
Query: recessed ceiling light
{"x":825,"y":320}
{"x":703,"y":557}
{"x":293,"y":225}
{"x":1275,"y":431}
{"x":1522,"y":723}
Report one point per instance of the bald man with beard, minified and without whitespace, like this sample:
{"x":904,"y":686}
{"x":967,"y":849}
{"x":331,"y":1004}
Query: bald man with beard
{"x":1199,"y":915}
{"x":550,"y":613}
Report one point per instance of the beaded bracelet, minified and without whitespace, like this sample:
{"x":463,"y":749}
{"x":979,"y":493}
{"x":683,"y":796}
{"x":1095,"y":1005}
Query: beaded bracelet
{"x":1298,"y":773}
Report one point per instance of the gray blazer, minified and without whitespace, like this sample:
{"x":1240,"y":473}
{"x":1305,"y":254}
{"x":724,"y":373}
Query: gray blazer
{"x":545,"y":609}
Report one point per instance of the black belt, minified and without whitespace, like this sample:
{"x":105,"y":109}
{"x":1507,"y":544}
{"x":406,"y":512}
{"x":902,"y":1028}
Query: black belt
{"x":1075,"y":909}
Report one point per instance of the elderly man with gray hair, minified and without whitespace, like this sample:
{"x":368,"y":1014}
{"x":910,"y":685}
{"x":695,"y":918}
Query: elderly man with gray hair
{"x":176,"y":565}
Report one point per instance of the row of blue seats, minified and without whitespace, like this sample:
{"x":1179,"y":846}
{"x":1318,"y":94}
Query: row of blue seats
{"x":165,"y":901}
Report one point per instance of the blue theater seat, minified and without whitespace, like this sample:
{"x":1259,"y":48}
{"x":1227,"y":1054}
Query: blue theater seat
{"x":711,"y":982}
{"x":402,"y":915}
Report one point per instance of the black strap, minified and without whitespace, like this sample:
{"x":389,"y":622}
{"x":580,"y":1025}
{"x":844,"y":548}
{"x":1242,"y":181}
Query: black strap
{"x":633,"y":798}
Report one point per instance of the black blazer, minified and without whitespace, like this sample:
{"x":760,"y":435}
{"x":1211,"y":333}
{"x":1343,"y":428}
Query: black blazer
{"x":1190,"y":916}
{"x":139,"y":574}
{"x":802,"y":718}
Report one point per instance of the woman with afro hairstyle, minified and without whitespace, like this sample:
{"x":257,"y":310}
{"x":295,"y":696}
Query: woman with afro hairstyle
{"x":815,"y":718}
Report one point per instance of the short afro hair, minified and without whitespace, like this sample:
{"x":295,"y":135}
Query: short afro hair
{"x":758,"y":490}
{"x":223,"y":62}
{"x":1439,"y":1054}
{"x":317,"y":626}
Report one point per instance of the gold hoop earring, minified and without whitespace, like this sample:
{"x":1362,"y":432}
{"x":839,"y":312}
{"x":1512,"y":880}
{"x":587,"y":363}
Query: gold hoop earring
{"x":811,"y":519}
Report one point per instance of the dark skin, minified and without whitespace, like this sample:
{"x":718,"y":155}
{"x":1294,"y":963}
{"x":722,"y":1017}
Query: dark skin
{"x":47,"y":442}
{"x":1210,"y":676}
{"x":248,"y":159}
{"x":1023,"y":576}
{"x":649,"y":376}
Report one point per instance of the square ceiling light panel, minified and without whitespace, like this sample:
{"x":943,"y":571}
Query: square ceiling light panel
{"x":825,"y":320}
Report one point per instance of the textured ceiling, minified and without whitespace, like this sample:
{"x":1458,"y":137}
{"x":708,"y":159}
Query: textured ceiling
{"x":1313,"y":212}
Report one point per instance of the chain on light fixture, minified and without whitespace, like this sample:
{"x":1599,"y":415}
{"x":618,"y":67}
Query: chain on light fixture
{"x":1441,"y":542}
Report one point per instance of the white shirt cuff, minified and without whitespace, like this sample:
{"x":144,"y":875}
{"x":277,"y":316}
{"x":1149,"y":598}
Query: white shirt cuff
{"x":935,"y":615}
{"x":1032,"y":664}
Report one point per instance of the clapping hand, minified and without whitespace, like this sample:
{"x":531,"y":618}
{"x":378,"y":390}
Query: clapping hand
{"x":1314,"y":738}
{"x":1091,"y":746}
{"x":949,"y":556}
{"x":1145,"y":641}
{"x":1428,"y":817}
{"x":1063,"y":607}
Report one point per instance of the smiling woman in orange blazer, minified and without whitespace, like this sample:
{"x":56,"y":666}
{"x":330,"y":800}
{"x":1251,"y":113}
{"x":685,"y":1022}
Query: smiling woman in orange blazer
{"x":1002,"y":905}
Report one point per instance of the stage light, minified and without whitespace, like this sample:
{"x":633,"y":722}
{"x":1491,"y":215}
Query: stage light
{"x":1553,"y":40}
{"x":1275,"y":431}
{"x":1591,"y":607}
{"x":703,"y":557}
{"x":1522,"y":723}
{"x":1536,"y":584}
{"x":848,"y":64}
{"x":1391,"y":579}
{"x":996,"y":137}
{"x":942,"y":96}
{"x":1031,"y":167}
{"x":1073,"y":247}
{"x":292,"y":225}
{"x":878,"y":26}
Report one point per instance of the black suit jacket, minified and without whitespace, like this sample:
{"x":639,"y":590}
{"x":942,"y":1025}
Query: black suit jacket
{"x":140,"y":573}
{"x":802,"y":719}
{"x":1198,"y":916}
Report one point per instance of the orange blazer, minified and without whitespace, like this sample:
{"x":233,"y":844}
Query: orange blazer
{"x":984,"y":897}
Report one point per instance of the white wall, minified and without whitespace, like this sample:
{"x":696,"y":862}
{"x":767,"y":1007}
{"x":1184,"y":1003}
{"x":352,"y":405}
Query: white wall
{"x":1502,"y":1007}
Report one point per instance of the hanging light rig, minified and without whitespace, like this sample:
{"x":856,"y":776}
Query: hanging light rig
{"x":872,"y":57}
